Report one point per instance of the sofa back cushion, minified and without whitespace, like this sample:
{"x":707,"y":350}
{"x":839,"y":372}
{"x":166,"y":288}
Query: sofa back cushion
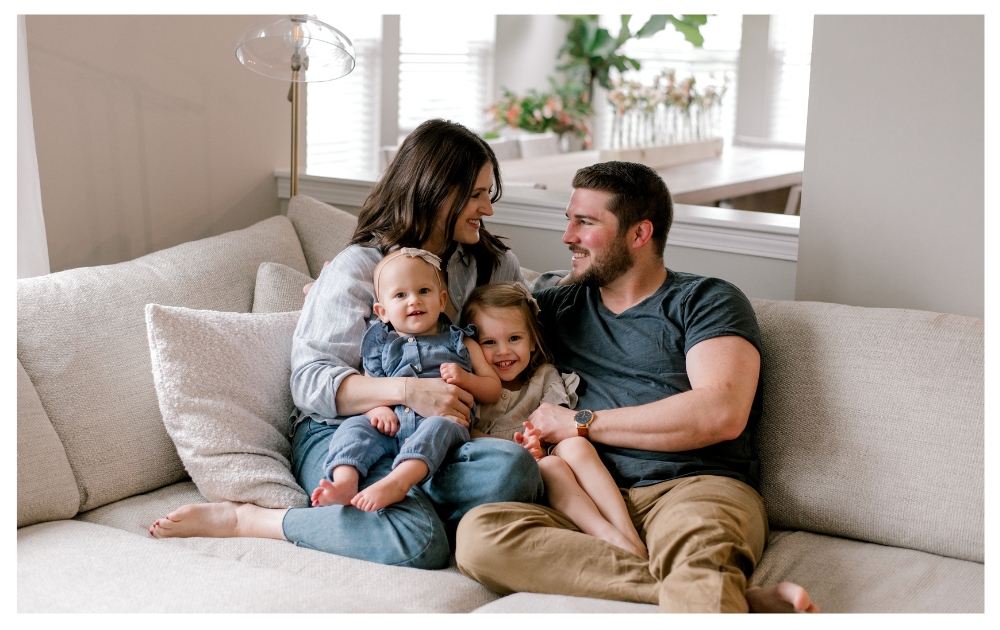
{"x":873,"y":425}
{"x":46,"y":488}
{"x":81,"y":336}
{"x":323,"y":230}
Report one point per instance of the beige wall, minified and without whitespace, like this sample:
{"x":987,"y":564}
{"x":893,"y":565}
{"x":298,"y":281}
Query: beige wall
{"x":893,"y":187}
{"x":149,"y":133}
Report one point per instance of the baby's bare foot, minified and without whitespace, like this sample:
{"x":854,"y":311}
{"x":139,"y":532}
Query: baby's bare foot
{"x":380,"y":494}
{"x":217,"y":520}
{"x":333,"y":493}
{"x":783,"y":598}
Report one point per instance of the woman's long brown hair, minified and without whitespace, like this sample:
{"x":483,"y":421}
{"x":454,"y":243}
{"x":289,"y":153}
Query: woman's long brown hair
{"x":438,"y":157}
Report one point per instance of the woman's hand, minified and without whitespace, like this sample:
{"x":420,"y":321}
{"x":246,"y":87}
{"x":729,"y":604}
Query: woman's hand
{"x":433,"y":397}
{"x":385,"y":420}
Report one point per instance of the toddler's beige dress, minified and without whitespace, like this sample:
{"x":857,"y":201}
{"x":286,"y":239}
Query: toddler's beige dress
{"x":504,"y":418}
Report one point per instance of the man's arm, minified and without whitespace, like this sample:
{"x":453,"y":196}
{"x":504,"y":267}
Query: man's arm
{"x":723,"y":372}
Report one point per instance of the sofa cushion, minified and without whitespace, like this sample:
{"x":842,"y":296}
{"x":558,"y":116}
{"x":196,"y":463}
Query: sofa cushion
{"x":872,"y":426}
{"x":81,"y":337}
{"x":563,"y":604}
{"x":323,"y":230}
{"x":46,"y":488}
{"x":222,"y":383}
{"x":69,"y":566}
{"x":850,"y":576}
{"x":279,"y":289}
{"x":411,"y":590}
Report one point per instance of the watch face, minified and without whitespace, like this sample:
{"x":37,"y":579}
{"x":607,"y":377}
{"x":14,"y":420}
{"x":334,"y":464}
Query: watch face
{"x":583,"y":417}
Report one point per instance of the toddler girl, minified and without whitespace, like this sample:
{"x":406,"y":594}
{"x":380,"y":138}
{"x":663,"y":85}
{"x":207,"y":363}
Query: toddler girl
{"x":410,"y":338}
{"x":576,"y":482}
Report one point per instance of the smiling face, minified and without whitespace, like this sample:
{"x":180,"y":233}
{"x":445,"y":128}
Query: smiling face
{"x":469,"y":219}
{"x":505,"y":339}
{"x":410,"y":296}
{"x":600,"y":254}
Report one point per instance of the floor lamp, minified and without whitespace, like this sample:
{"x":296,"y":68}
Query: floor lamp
{"x":299,"y":48}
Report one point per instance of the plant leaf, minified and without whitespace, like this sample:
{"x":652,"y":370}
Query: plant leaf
{"x":653,"y":25}
{"x":688,"y":30}
{"x":624,"y":34}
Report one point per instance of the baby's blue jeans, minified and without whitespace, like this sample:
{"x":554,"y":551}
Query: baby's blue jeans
{"x":357,"y":443}
{"x":413,"y":532}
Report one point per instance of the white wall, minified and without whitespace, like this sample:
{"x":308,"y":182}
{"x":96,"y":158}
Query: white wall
{"x":893,"y":188}
{"x":526,"y":48}
{"x":150,"y":133}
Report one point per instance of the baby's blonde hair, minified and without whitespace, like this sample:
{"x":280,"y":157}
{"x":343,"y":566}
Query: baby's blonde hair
{"x":510,"y":295}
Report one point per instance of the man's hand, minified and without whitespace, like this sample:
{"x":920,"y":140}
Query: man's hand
{"x":553,"y":422}
{"x":385,"y":420}
{"x":531,"y":440}
{"x":305,"y":289}
{"x":433,"y":397}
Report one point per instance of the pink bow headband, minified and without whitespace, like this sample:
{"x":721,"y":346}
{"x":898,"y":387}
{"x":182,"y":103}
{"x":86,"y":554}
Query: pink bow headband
{"x":412,"y":252}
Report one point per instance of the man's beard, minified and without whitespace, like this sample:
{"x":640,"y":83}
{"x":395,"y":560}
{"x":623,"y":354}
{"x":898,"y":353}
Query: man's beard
{"x":608,"y":266}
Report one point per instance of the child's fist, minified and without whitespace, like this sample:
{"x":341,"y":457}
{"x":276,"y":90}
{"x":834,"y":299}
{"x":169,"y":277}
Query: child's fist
{"x":385,"y":420}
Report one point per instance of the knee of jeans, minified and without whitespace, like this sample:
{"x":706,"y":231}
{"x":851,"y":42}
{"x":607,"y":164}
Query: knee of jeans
{"x":515,"y":466}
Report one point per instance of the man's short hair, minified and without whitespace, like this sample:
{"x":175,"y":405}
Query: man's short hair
{"x":637,"y":194}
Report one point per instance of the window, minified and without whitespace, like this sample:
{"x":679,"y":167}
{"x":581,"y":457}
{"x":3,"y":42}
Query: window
{"x":790,"y":51}
{"x":712,"y":64}
{"x":445,"y":69}
{"x":342,"y":115}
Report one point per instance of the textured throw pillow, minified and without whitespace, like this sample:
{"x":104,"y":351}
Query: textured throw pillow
{"x":222,"y":385}
{"x":279,"y":289}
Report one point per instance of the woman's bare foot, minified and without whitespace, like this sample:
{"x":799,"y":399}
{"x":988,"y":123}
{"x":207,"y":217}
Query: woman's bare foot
{"x":783,"y":598}
{"x":380,"y":494}
{"x":334,"y":493}
{"x":220,"y":520}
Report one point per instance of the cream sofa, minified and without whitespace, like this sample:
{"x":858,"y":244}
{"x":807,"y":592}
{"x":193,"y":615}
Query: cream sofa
{"x":871,"y":447}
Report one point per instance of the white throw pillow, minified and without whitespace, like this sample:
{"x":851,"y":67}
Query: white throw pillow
{"x":222,"y":385}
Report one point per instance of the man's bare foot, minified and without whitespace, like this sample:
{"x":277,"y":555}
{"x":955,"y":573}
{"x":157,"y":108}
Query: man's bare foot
{"x":334,"y":493}
{"x":382,"y":493}
{"x":783,"y":598}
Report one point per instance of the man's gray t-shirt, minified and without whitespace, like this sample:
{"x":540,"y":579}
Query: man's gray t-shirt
{"x":638,"y":357}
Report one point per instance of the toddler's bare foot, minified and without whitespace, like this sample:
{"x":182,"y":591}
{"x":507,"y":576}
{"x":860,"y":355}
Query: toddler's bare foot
{"x":610,"y":534}
{"x":217,"y":520}
{"x":334,"y":493}
{"x":783,"y":598}
{"x":383,"y":492}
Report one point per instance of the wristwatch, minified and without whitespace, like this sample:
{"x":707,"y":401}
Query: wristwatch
{"x":583,"y":418}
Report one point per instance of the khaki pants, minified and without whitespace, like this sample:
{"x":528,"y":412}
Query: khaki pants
{"x":705,"y":535}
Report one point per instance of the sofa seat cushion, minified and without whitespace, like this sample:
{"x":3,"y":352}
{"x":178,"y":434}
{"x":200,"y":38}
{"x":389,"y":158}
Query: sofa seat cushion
{"x":396,"y":588}
{"x":538,"y":603}
{"x":844,"y":575}
{"x":81,"y":337}
{"x":75,"y":567}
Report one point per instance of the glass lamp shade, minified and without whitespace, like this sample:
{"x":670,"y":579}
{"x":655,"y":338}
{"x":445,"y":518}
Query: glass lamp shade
{"x":316,"y":50}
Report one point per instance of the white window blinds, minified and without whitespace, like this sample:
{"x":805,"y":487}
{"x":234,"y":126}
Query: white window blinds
{"x":445,"y":69}
{"x":790,"y":54}
{"x":342,"y":116}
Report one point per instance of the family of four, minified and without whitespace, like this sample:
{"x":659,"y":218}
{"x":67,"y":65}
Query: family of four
{"x":592,"y":438}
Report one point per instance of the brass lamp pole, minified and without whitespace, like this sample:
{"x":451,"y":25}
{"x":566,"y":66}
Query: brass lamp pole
{"x":312,"y":50}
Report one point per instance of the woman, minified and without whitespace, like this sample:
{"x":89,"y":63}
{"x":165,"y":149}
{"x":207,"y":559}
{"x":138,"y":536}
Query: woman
{"x":433,"y":196}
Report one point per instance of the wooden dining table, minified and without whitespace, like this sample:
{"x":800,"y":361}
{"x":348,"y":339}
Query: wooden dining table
{"x":738,"y":172}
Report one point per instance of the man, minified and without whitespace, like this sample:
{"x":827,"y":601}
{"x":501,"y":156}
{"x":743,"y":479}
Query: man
{"x":671,"y":392}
